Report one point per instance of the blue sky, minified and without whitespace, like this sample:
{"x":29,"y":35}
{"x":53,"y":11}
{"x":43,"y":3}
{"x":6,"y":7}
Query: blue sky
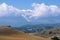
{"x":20,"y":12}
{"x":25,"y":4}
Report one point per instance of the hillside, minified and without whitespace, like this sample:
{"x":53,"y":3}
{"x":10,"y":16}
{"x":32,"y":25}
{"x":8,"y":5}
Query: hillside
{"x":8,"y":33}
{"x":34,"y":28}
{"x":49,"y":33}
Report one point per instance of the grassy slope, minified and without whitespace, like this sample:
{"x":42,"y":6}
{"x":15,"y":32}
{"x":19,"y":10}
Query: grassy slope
{"x":7,"y":33}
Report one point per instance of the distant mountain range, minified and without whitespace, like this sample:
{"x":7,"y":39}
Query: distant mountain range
{"x":42,"y":30}
{"x":30,"y":28}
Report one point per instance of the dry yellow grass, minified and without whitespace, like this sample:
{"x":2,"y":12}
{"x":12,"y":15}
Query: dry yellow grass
{"x":7,"y":33}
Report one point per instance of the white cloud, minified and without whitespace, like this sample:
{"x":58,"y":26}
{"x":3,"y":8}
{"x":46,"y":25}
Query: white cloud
{"x":6,"y":10}
{"x":39,"y":10}
{"x":43,"y":10}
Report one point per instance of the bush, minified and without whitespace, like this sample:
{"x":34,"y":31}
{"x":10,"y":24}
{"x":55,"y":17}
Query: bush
{"x":50,"y":32}
{"x":9,"y":26}
{"x":55,"y":38}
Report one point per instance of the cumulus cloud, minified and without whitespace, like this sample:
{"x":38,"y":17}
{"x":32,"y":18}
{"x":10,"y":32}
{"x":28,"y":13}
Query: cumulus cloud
{"x":39,"y":10}
{"x":6,"y":10}
{"x":43,"y":10}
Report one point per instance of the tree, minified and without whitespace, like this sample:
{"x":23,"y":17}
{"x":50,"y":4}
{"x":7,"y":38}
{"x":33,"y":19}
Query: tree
{"x":9,"y":26}
{"x":50,"y":32}
{"x":55,"y":38}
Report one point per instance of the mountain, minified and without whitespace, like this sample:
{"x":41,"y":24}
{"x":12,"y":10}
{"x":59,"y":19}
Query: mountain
{"x":30,"y":28}
{"x":8,"y":33}
{"x":49,"y":33}
{"x":43,"y":30}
